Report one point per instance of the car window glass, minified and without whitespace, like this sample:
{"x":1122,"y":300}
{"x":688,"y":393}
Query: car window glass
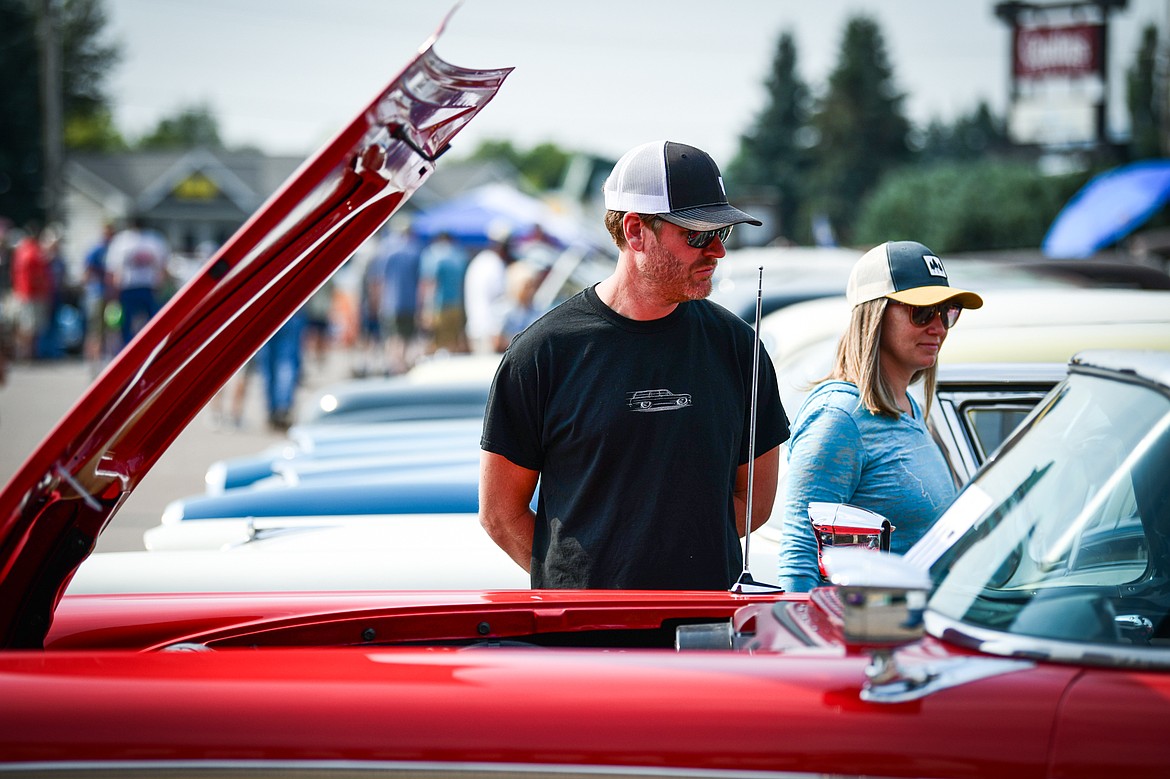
{"x":1075,"y":521}
{"x":990,"y":425}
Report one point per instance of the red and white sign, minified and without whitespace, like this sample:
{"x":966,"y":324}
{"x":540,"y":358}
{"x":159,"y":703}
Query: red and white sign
{"x":1072,"y":51}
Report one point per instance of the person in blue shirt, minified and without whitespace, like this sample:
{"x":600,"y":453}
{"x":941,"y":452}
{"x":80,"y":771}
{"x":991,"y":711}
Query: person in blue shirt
{"x":860,"y":437}
{"x":441,"y":272}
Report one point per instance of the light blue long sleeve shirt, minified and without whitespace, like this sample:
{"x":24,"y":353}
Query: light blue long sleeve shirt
{"x":842,"y":453}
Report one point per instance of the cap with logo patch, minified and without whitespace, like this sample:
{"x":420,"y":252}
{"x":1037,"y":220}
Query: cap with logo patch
{"x":905,"y":271}
{"x":678,"y":182}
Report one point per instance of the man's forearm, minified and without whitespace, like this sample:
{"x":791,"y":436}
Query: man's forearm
{"x":513,"y":535}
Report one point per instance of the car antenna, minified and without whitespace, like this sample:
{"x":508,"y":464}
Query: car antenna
{"x":745,"y":578}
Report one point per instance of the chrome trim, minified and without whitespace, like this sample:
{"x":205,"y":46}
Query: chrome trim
{"x":926,"y":680}
{"x":1148,"y":368}
{"x":994,"y":642}
{"x":354,"y":769}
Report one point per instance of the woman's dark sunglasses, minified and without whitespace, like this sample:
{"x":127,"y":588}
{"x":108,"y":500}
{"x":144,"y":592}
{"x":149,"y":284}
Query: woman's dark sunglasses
{"x":702,"y":239}
{"x":921,"y":316}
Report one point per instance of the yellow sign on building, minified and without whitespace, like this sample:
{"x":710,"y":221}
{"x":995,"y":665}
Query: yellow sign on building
{"x":197,"y":186}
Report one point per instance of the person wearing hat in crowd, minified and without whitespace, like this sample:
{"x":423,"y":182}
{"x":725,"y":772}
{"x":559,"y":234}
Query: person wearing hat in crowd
{"x":630,"y":403}
{"x":860,"y":437}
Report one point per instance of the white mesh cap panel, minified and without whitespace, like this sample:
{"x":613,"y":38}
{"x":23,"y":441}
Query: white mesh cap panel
{"x":870,"y":278}
{"x":638,"y":181}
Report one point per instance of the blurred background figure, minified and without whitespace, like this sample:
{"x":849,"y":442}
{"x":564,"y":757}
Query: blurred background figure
{"x":7,"y":303}
{"x":227,"y":406}
{"x":32,"y":291}
{"x":484,"y":294}
{"x":96,"y":293}
{"x":8,"y":236}
{"x":521,"y":282}
{"x":137,"y":264}
{"x":318,"y":334}
{"x":63,"y":326}
{"x":538,"y":248}
{"x":234,"y":394}
{"x":444,"y":263}
{"x":279,"y":362}
{"x":398,"y":274}
{"x":369,"y":352}
{"x":390,"y":302}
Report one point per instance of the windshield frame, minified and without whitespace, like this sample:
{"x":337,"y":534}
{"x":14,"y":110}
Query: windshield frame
{"x":953,"y":537}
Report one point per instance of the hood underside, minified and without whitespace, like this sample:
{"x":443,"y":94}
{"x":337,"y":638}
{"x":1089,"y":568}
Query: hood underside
{"x":56,"y":505}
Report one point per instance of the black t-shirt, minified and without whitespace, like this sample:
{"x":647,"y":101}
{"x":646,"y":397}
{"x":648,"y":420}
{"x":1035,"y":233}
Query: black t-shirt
{"x":637,"y":429}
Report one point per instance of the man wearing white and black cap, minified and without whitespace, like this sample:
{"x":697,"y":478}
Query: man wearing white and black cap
{"x":630,"y":403}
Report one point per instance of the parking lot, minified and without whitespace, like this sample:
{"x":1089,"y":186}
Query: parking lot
{"x":37,"y":395}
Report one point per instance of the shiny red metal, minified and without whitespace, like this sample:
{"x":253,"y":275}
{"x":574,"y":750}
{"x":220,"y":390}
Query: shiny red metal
{"x":54,"y":507}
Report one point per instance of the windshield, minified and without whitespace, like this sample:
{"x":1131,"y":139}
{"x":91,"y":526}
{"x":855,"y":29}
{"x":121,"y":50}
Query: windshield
{"x":1065,"y":536}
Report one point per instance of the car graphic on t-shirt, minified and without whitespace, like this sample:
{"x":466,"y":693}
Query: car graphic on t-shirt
{"x":657,"y":400}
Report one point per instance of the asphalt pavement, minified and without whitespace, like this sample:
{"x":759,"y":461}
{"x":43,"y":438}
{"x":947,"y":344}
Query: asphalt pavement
{"x":37,"y":395}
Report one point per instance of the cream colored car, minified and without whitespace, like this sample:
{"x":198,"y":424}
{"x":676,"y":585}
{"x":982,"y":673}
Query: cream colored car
{"x":996,"y":364}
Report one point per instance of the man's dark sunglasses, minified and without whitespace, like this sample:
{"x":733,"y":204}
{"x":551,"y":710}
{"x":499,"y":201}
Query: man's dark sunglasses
{"x":701,"y":239}
{"x":921,"y":316}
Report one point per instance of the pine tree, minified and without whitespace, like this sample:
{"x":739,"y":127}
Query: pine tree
{"x":861,"y":130}
{"x":21,"y":150}
{"x":190,"y":127}
{"x":86,"y":60}
{"x":773,"y":154}
{"x":1145,"y":108}
{"x":970,"y":137}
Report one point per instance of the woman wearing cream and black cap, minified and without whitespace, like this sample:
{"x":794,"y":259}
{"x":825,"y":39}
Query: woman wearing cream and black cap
{"x":859,"y":437}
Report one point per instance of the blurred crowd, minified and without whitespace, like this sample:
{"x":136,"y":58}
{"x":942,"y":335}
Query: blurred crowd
{"x":422,"y":297}
{"x":47,"y":314}
{"x":414,"y":297}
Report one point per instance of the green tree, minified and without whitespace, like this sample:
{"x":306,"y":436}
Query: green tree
{"x":1144,"y":99}
{"x":497,"y":150}
{"x":21,"y":150}
{"x":94,"y":132}
{"x":970,"y":137}
{"x":773,"y":154}
{"x":86,"y":60}
{"x":966,"y":206}
{"x":191,"y":127}
{"x":541,"y":168}
{"x":861,"y":130}
{"x":544,"y":166}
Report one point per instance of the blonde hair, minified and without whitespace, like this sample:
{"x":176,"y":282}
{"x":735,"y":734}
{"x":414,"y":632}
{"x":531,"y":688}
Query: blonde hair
{"x":859,"y":361}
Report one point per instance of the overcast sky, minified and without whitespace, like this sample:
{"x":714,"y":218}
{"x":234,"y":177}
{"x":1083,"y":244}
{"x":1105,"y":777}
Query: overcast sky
{"x":595,"y":75}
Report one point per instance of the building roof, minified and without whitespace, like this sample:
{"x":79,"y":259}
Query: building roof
{"x":148,"y":178}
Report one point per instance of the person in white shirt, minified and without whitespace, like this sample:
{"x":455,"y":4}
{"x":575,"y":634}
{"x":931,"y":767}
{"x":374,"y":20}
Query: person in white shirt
{"x":485,"y":295}
{"x":137,"y":264}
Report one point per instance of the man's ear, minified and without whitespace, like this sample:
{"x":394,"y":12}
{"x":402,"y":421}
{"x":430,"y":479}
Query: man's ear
{"x":635,"y":230}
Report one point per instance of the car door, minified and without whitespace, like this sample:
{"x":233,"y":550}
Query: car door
{"x":1107,"y":706}
{"x":978,"y":406}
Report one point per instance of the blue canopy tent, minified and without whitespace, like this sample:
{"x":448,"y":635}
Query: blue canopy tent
{"x":1108,"y":208}
{"x":472,"y":218}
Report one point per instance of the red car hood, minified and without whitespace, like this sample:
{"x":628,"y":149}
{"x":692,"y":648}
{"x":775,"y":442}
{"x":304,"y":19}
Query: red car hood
{"x":56,"y":505}
{"x":398,"y":681}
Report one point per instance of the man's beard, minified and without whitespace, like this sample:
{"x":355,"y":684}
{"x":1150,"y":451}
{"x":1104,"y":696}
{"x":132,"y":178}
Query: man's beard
{"x":671,"y":277}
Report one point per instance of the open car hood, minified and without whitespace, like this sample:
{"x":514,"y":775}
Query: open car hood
{"x":56,"y":505}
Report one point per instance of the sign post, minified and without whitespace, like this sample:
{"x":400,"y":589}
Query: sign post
{"x":1059,"y":73}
